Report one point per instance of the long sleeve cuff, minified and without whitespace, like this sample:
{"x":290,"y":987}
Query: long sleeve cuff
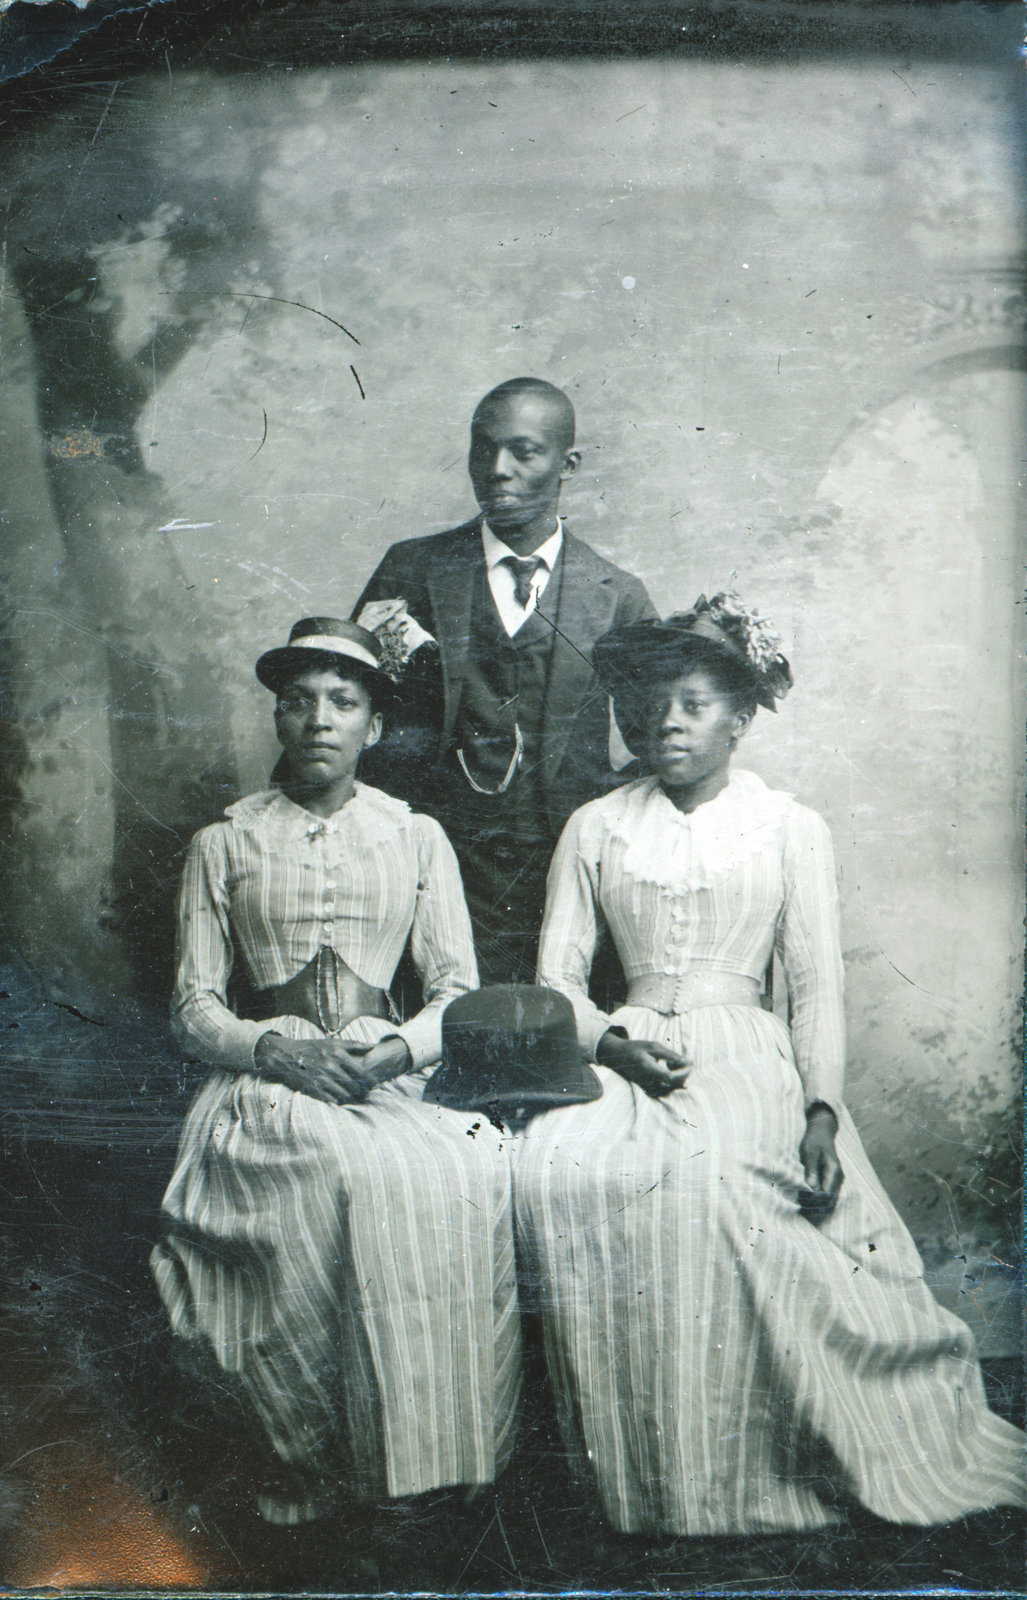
{"x":422,"y":1036}
{"x":230,"y":1044}
{"x":825,"y":1086}
{"x":590,"y":1023}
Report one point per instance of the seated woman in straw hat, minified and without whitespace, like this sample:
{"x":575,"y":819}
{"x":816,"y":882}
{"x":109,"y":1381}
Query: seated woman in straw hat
{"x":737,"y":1325}
{"x":341,"y":1249}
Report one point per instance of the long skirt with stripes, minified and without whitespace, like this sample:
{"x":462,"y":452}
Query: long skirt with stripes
{"x":351,"y":1271}
{"x":723,"y":1365}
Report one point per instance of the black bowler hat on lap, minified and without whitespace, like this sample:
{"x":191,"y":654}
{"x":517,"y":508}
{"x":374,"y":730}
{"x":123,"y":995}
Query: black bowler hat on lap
{"x":513,"y":1046}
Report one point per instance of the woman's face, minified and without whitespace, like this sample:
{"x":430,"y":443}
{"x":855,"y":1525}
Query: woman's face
{"x":323,"y":721}
{"x":690,"y":726}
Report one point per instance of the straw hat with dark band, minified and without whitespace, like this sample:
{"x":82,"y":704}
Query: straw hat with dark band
{"x":325,"y":641}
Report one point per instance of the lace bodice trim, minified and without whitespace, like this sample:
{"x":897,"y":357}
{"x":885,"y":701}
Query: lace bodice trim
{"x":681,"y":852}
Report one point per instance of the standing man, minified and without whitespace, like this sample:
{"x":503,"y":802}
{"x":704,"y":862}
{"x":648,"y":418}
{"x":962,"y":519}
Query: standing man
{"x":505,"y":729}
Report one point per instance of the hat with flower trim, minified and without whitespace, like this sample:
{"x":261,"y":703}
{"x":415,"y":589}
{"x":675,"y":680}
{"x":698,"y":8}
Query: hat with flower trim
{"x":721,"y":629}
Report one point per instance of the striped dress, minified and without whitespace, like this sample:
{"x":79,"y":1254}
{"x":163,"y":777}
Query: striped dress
{"x":349,"y":1268}
{"x":723,"y":1365}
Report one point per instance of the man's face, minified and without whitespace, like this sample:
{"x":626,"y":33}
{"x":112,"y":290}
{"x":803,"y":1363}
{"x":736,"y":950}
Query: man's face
{"x":518,"y":459}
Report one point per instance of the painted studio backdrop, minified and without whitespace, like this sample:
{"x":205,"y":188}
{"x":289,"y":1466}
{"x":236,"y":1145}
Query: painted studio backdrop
{"x":246,"y":316}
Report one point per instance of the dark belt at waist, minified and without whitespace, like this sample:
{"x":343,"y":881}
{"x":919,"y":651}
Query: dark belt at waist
{"x":325,"y":992}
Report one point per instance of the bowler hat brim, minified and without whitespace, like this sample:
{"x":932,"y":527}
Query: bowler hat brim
{"x":445,"y":1088}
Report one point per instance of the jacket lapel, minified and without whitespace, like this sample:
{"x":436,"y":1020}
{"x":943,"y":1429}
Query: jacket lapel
{"x":586,"y":608}
{"x":450,"y":585}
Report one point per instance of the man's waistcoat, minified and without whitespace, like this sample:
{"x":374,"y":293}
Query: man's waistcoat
{"x":502,"y":707}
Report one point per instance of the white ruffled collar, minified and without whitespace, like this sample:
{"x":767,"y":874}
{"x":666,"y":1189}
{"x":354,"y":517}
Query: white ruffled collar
{"x":370,"y":811}
{"x":690,"y":850}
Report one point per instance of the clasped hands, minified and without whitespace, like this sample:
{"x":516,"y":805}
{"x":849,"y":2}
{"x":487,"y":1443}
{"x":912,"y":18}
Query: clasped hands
{"x":339,"y":1073}
{"x":333,"y":1070}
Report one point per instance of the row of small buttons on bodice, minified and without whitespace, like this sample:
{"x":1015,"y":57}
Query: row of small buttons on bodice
{"x":320,"y":830}
{"x":679,"y":929}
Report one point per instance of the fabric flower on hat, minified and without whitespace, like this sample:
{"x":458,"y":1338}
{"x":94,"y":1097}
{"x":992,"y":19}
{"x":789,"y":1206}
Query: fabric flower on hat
{"x":757,"y":639}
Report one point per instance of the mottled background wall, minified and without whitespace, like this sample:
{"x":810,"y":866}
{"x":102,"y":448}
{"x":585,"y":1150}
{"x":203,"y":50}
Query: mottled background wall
{"x":784,"y":296}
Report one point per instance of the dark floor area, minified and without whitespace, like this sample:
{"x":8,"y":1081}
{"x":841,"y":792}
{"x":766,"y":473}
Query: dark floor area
{"x":114,"y":1476}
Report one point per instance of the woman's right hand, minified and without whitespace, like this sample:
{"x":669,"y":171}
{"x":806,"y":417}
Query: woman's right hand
{"x":654,"y":1067}
{"x":326,"y":1069}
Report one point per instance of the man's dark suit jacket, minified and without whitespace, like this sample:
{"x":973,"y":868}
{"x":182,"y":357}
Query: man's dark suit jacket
{"x":435,"y":575}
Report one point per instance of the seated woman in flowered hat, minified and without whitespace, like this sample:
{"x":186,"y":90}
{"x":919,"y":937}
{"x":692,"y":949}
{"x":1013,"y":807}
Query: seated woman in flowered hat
{"x":737,"y":1325}
{"x":342,"y":1249}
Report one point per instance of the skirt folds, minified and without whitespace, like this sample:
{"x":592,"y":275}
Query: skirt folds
{"x":723,"y":1365}
{"x":351,"y":1270}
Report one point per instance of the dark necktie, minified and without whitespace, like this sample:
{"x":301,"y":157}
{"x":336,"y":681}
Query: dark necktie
{"x":524,"y":569}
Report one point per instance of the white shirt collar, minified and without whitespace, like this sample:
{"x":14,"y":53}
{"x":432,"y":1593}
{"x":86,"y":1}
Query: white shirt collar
{"x":496,"y":551}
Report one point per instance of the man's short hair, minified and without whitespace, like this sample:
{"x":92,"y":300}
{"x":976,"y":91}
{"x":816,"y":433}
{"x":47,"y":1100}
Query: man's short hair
{"x":563,"y":411}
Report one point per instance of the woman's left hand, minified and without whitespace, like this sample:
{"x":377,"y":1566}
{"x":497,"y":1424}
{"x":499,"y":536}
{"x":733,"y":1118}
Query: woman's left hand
{"x":378,"y":1063}
{"x":655,"y":1067}
{"x":820,"y":1164}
